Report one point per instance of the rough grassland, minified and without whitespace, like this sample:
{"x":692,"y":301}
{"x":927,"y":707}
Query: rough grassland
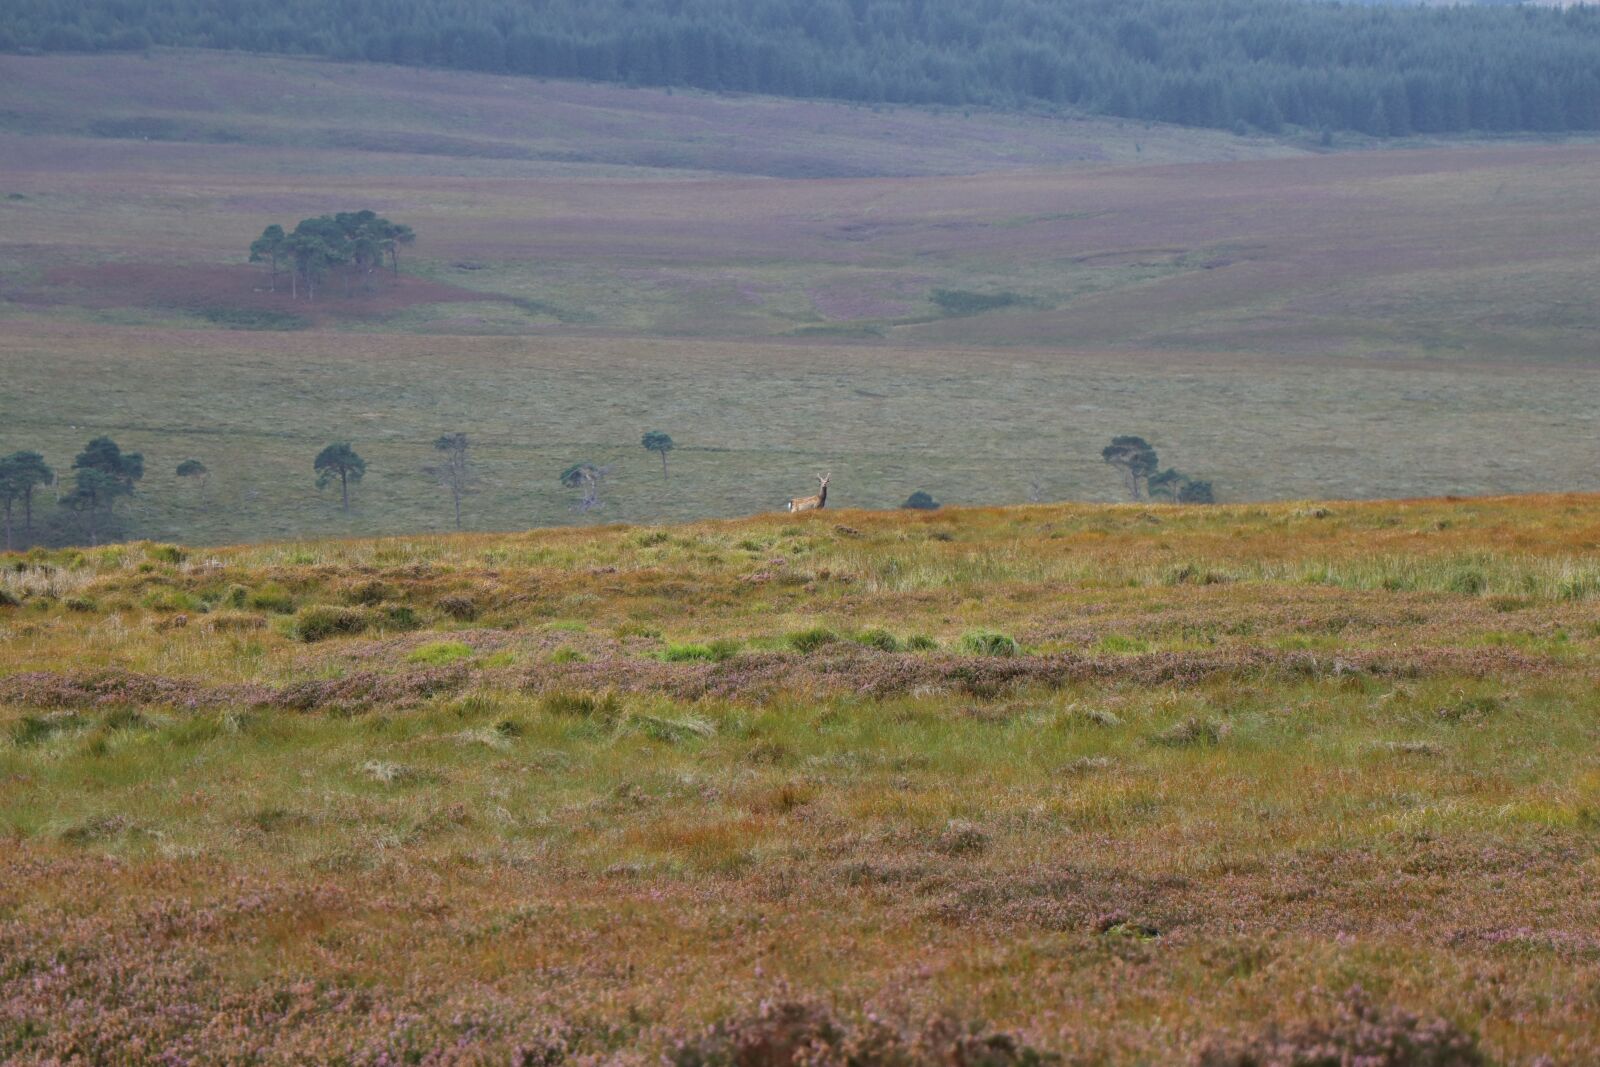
{"x":581,"y":792}
{"x":596,"y":262}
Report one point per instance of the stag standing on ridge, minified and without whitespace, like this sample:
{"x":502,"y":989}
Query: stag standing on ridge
{"x":812,"y":503}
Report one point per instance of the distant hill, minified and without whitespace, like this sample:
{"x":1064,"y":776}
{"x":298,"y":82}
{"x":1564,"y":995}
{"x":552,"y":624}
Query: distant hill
{"x":1259,"y":64}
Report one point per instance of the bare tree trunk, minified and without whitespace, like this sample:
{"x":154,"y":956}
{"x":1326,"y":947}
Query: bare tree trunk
{"x":27,"y":512}
{"x":344,"y":490}
{"x":457,"y":494}
{"x":664,"y":476}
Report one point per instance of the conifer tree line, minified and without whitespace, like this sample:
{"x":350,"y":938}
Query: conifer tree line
{"x":1260,"y":64}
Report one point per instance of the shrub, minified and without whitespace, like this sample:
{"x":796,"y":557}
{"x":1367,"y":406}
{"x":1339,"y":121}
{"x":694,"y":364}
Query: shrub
{"x":438,"y":653}
{"x":989,"y":643}
{"x":791,"y":1034}
{"x":921,"y":643}
{"x":808,"y":641}
{"x":1361,"y":1033}
{"x":82,"y":604}
{"x":920,"y":501}
{"x":568,"y":655}
{"x":7,"y":600}
{"x":399,"y":617}
{"x":322,"y":621}
{"x":966,"y":302}
{"x":368,"y":594}
{"x":460,"y":608}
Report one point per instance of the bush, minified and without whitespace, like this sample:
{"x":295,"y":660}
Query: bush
{"x":791,"y":1034}
{"x":989,"y":643}
{"x":958,"y":302}
{"x":920,"y":501}
{"x":921,"y":643}
{"x":460,"y":608}
{"x":320,"y":622}
{"x":1361,"y":1033}
{"x":808,"y":641}
{"x":438,"y":653}
{"x":399,"y":617}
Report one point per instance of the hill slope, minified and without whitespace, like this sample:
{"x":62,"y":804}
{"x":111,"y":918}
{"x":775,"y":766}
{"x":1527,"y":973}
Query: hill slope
{"x":585,"y":791}
{"x":1258,"y":62}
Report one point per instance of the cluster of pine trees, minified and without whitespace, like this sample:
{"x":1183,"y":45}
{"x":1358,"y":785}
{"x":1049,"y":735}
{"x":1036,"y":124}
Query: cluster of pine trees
{"x":1260,"y":64}
{"x":356,"y":243}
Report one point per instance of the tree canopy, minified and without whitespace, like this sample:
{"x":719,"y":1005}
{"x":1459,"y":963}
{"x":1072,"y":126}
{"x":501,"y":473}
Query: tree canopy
{"x":102,"y":474}
{"x":20,"y":474}
{"x":656,"y":441}
{"x":339,"y":461}
{"x":355,"y":243}
{"x":1382,"y":70}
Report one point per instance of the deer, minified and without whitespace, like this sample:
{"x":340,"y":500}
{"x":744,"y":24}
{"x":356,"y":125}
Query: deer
{"x":813,"y":503}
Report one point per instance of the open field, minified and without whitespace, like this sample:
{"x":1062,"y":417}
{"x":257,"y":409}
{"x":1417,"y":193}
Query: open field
{"x":595,"y":262}
{"x":582,"y":792}
{"x":753,"y":421}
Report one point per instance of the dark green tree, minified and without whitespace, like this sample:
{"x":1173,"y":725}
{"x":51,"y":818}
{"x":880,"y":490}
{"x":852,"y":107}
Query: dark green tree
{"x":102,"y":474}
{"x":920,"y":501}
{"x":1180,"y":488}
{"x":586,"y":478}
{"x":194,"y":470}
{"x":454,"y":469}
{"x":1134,"y":457}
{"x":656,"y":441}
{"x":272,"y":248}
{"x":339,"y":461}
{"x":20,"y":474}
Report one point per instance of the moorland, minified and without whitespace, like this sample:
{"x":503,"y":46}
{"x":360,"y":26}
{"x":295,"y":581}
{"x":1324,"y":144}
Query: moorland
{"x":964,"y":302}
{"x":1127,"y":784}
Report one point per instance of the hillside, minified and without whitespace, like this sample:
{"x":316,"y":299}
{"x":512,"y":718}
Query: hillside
{"x":973,"y":314}
{"x":1262,"y":64}
{"x":1127,"y":782}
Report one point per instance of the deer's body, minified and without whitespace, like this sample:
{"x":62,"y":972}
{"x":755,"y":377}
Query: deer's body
{"x":813,"y":503}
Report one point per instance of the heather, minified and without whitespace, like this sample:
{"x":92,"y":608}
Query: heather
{"x":1074,"y":784}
